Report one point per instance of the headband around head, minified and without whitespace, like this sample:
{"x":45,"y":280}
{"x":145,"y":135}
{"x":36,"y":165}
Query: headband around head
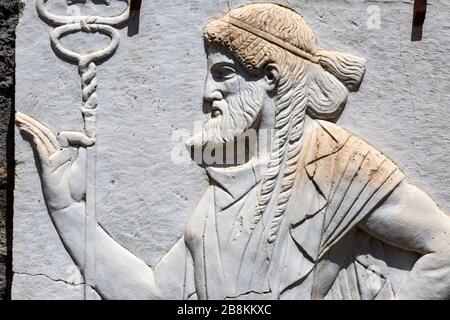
{"x":271,"y":38}
{"x":249,"y":31}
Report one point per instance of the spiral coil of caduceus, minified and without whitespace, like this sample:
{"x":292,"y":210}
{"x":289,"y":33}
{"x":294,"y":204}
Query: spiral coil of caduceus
{"x":86,"y":137}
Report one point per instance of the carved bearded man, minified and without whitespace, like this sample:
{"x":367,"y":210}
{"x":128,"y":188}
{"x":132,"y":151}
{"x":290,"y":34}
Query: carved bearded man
{"x":320,"y":215}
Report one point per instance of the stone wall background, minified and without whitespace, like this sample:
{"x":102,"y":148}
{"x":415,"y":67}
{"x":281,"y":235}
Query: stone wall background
{"x":153,"y":86}
{"x":8,"y":22}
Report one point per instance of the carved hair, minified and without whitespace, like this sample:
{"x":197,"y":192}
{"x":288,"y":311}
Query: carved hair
{"x":311,"y":81}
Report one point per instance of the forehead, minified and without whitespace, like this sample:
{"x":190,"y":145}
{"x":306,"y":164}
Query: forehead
{"x":216,"y":55}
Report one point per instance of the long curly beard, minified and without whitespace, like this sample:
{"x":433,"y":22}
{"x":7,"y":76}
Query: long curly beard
{"x":239,"y":113}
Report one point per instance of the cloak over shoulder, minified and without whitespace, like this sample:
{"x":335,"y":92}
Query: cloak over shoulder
{"x":341,"y":180}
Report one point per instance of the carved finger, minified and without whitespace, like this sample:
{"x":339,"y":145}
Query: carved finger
{"x":41,"y":138}
{"x":75,"y":138}
{"x":42,"y":127}
{"x":46,"y":136}
{"x":40,"y":148}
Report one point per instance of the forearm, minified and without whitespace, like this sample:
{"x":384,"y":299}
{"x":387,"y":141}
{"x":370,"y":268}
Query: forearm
{"x":429,"y":278}
{"x":70,"y":225}
{"x":410,"y":220}
{"x":118,"y":273}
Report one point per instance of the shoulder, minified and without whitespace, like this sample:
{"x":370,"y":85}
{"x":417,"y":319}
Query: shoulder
{"x":349,"y":173}
{"x":328,"y":133}
{"x":336,"y":158}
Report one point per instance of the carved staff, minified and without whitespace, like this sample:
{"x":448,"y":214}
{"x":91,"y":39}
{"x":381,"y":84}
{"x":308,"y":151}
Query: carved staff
{"x":87,"y":64}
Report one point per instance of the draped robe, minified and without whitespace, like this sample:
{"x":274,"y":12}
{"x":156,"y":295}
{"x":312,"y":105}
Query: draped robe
{"x":320,"y":253}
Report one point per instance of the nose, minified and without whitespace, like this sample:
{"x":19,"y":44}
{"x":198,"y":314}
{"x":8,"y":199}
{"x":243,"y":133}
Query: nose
{"x":212,"y":90}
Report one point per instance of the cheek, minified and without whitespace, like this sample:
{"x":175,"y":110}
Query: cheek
{"x":231,"y":87}
{"x":235,"y":85}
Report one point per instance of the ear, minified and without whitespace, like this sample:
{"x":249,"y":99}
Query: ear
{"x":271,"y":77}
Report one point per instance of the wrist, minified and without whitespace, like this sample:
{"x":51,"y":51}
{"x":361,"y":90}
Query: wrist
{"x":75,"y":208}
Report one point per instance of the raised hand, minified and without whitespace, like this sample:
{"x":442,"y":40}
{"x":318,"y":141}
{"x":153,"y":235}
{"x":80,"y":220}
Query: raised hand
{"x":63,"y":178}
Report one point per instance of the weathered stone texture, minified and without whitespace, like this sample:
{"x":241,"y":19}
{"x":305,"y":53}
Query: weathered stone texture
{"x":152,"y":88}
{"x":8,"y":22}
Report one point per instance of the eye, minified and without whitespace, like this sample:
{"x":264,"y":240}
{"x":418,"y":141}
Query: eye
{"x":223,"y":72}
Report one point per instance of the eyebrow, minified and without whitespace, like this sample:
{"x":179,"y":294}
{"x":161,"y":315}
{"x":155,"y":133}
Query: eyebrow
{"x":224,"y":63}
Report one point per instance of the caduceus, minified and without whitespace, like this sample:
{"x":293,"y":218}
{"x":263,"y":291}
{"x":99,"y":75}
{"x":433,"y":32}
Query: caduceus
{"x":53,"y":150}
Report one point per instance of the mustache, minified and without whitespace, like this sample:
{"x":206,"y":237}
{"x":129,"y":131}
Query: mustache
{"x":229,"y":118}
{"x":211,"y":133}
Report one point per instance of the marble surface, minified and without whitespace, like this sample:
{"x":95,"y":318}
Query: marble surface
{"x":152,"y":88}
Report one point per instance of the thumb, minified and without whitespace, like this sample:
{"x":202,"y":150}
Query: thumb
{"x":75,"y":138}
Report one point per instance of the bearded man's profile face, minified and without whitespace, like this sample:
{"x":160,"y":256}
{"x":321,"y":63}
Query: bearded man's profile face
{"x":233,"y":100}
